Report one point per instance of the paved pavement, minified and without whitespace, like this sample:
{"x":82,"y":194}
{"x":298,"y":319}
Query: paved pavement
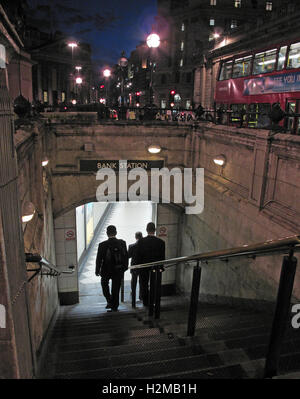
{"x":128,"y":217}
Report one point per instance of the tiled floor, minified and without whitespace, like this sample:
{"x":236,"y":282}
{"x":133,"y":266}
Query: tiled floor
{"x":128,"y":217}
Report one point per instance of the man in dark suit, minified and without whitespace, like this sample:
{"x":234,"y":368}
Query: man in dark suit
{"x":132,"y":253}
{"x":149,"y":249}
{"x":111,"y":263}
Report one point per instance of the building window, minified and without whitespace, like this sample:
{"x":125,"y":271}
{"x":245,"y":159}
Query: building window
{"x":211,"y":22}
{"x":63,"y":96}
{"x":242,"y":67}
{"x":226,"y":70}
{"x":281,"y":58}
{"x":213,"y":2}
{"x":182,"y":46}
{"x":233,"y":23}
{"x":188,"y":104}
{"x":181,"y":62}
{"x":45,"y":96}
{"x":294,"y":56}
{"x":188,"y":77}
{"x":264,"y":62}
{"x":163,"y":103}
{"x":163,"y":79}
{"x":269,"y":5}
{"x":144,"y":63}
{"x":177,"y":77}
{"x":182,"y":27}
{"x":237,"y":3}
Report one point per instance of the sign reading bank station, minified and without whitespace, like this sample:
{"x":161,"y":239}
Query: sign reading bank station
{"x":93,"y":165}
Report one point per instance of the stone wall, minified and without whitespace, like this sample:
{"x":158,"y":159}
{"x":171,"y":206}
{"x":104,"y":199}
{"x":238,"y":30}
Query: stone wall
{"x":34,"y":184}
{"x":253,"y":198}
{"x":16,"y":360}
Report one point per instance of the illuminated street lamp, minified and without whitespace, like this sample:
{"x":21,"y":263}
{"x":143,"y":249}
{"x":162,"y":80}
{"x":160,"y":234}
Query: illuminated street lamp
{"x":78,"y":80}
{"x":153,"y":41}
{"x":78,"y":68}
{"x":106,"y":74}
{"x":72,"y":45}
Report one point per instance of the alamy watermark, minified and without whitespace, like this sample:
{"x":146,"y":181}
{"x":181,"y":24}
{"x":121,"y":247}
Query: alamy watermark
{"x":296,"y":318}
{"x":155,"y":185}
{"x":2,"y":316}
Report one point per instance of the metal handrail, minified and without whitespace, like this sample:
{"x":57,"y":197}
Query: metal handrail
{"x":53,"y":271}
{"x":281,"y":315}
{"x":282,"y":245}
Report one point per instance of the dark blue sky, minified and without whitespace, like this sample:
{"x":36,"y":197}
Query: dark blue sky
{"x":110,"y":26}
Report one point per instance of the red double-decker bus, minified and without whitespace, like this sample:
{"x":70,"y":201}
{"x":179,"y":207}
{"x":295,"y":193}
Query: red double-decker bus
{"x":252,"y":82}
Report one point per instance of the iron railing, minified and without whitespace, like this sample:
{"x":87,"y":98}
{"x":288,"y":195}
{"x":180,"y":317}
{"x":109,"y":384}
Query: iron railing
{"x":287,"y":245}
{"x":44,"y":263}
{"x":228,"y":117}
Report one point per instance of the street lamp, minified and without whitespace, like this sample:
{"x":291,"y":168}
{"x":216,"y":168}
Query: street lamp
{"x":72,"y":45}
{"x":123,"y":62}
{"x":78,"y":80}
{"x":106,"y":74}
{"x":153,"y":41}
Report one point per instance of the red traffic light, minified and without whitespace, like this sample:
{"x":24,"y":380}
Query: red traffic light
{"x":138,"y":93}
{"x":173,"y":92}
{"x":101,"y":86}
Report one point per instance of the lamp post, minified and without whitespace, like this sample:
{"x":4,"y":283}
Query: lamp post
{"x":72,"y":45}
{"x":153,"y":41}
{"x":123,"y":62}
{"x":106,"y":74}
{"x":78,"y":81}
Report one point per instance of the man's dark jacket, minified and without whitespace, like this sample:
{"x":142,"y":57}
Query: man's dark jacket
{"x":106,"y":270}
{"x":150,"y":249}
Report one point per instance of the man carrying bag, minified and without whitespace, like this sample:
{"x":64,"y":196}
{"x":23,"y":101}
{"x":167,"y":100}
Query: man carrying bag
{"x":111,"y":263}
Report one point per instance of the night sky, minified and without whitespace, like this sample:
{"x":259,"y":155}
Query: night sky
{"x":110,"y":26}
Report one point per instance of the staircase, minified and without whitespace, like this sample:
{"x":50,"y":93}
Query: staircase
{"x":88,"y":342}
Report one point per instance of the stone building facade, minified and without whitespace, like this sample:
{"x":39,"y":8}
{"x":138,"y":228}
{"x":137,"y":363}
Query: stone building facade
{"x":283,"y":26}
{"x":188,"y":29}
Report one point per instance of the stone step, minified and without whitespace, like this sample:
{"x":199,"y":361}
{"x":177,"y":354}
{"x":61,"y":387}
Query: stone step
{"x":116,"y":334}
{"x":153,"y":343}
{"x":153,"y":367}
{"x":96,"y":328}
{"x":97,"y":341}
{"x":106,"y":359}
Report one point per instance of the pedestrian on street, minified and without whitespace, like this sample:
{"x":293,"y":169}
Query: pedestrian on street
{"x":149,"y":249}
{"x":132,"y":253}
{"x":111,"y":263}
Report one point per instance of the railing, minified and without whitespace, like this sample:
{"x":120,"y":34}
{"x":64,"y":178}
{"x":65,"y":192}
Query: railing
{"x":287,"y":245}
{"x":229,"y":117}
{"x":44,"y":263}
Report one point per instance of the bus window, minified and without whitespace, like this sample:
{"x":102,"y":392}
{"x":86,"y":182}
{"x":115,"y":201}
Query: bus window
{"x":294,"y":56}
{"x":226,"y":70}
{"x":259,"y":115}
{"x":238,"y":113}
{"x":281,"y":58}
{"x":264,"y":62}
{"x":241,"y":67}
